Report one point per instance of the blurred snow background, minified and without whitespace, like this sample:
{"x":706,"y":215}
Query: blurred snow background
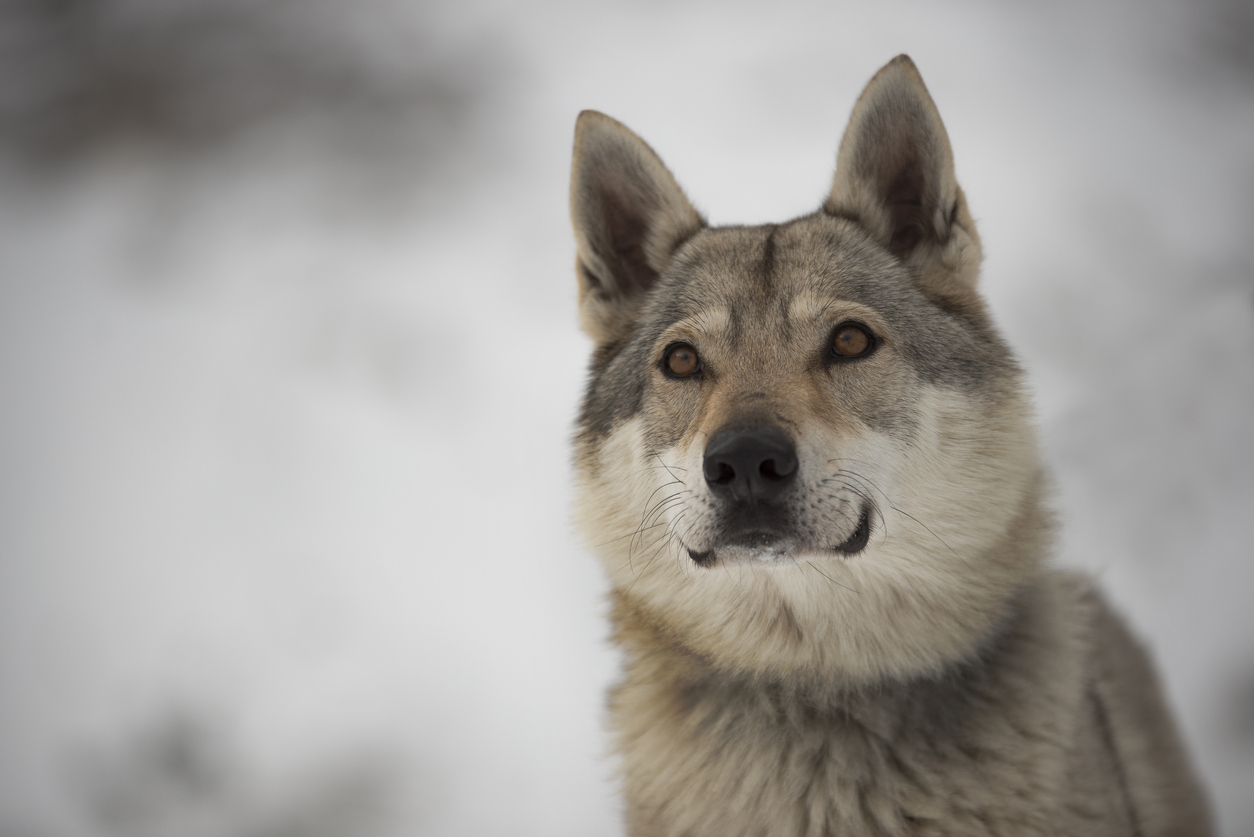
{"x":288,"y":362}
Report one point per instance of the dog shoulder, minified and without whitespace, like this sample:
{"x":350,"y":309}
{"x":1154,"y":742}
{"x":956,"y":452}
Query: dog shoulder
{"x":1132,"y":710}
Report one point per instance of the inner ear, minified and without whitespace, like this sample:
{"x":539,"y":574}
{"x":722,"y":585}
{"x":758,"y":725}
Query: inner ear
{"x":627,"y":232}
{"x":894,"y":171}
{"x":629,"y":216}
{"x":904,"y":201}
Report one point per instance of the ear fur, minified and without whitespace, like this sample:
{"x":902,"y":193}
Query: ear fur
{"x":629,"y":216}
{"x":895,"y":176}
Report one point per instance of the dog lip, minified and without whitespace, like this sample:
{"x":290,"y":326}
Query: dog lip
{"x":769,"y":543}
{"x":756,"y":539}
{"x":857,"y":542}
{"x":702,"y":559}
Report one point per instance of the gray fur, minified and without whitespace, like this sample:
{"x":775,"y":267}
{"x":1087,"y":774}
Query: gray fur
{"x":1019,"y":740}
{"x":936,"y":679}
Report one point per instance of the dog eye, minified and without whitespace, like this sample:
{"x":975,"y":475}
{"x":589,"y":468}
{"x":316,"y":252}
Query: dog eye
{"x":851,"y":340}
{"x":682,"y":360}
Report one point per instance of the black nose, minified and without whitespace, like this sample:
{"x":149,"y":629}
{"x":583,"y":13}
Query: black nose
{"x":750,"y":465}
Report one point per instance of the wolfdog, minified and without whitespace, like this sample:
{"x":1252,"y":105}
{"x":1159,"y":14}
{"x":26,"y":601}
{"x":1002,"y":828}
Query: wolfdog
{"x":808,"y":465}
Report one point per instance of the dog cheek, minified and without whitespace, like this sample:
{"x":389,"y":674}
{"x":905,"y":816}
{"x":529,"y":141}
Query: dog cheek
{"x":881,"y":399}
{"x":615,"y":486}
{"x":672,"y":413}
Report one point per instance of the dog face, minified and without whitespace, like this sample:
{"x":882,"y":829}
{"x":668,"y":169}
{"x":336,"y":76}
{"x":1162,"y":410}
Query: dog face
{"x":803,"y":450}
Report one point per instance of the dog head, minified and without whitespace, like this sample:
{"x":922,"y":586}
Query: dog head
{"x":804,"y":449}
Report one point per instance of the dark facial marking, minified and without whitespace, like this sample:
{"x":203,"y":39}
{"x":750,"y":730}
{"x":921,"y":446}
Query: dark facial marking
{"x":768,"y":257}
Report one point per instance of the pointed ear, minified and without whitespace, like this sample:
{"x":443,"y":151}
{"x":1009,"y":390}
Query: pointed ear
{"x":895,"y":176}
{"x":629,"y":216}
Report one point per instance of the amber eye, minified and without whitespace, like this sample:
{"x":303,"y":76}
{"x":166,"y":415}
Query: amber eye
{"x":682,"y":360}
{"x":851,"y":340}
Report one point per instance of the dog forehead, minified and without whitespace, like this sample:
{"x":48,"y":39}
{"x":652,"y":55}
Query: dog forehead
{"x":785,"y":274}
{"x":779,"y":283}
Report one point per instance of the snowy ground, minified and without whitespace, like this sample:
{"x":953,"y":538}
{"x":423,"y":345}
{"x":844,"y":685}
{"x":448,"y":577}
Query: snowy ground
{"x":287,"y":374}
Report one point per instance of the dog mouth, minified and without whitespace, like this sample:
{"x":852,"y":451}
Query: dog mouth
{"x":768,"y":548}
{"x":861,"y":536}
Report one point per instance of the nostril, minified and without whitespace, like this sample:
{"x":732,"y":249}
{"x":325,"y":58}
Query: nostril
{"x":726,"y":473}
{"x":780,"y":468}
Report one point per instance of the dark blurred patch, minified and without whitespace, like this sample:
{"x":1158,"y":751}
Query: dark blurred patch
{"x":178,"y":776}
{"x":190,"y":73}
{"x":1241,"y":712}
{"x":164,"y":772}
{"x":1225,"y":35}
